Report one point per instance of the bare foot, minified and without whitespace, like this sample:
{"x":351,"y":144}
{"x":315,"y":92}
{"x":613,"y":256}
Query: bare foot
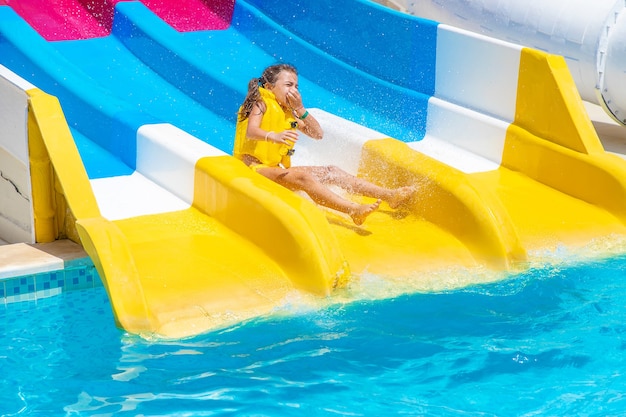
{"x":360,"y":213}
{"x":401,"y":195}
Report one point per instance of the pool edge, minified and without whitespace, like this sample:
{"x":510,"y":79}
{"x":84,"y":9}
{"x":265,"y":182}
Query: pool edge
{"x":29,"y":272}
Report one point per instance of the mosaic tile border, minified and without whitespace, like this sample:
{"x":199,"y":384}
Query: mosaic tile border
{"x":77,"y":275}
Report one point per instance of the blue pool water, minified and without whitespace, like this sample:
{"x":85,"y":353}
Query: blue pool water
{"x":549,"y":341}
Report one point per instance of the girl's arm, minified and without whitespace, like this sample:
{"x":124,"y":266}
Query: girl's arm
{"x":308,"y":124}
{"x":255,"y":132}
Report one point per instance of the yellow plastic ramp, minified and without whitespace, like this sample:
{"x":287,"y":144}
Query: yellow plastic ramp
{"x":194,"y":240}
{"x":580,"y":191}
{"x":448,"y":225}
{"x":492,"y":192}
{"x":510,"y":164}
{"x":209,"y":263}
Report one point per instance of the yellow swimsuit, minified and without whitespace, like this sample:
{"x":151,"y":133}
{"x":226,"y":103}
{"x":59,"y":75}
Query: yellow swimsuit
{"x":271,"y":154}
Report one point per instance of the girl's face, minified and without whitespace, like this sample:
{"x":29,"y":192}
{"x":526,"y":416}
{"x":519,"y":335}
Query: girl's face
{"x":286,"y":82}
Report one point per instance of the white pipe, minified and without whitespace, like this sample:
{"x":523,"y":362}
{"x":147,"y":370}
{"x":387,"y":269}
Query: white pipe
{"x":590,"y":34}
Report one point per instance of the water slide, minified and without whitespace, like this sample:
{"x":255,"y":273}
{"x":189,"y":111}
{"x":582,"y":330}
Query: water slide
{"x":187,"y":239}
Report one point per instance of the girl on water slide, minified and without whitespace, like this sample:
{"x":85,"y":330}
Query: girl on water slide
{"x":267,"y":130}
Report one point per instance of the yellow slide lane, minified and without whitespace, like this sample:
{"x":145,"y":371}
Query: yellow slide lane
{"x":556,"y":187}
{"x":397,"y":243}
{"x":196,"y":274}
{"x":462,"y":213}
{"x":546,"y":218}
{"x":181,"y":273}
{"x":557,"y":182}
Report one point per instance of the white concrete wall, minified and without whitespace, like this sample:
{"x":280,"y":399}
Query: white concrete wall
{"x":477,"y":72}
{"x":16,"y":211}
{"x":474,"y":102}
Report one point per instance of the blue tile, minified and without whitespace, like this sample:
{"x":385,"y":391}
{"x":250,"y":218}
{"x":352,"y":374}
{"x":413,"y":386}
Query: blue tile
{"x":81,"y":275}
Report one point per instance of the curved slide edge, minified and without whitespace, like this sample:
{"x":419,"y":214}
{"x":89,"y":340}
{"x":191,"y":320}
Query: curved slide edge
{"x":290,"y":229}
{"x":112,"y":257}
{"x":233,"y":268}
{"x":520,"y":129}
{"x":454,"y":202}
{"x":552,"y":139}
{"x":448,"y":198}
{"x":59,"y":180}
{"x":55,"y":159}
{"x":247,"y":274}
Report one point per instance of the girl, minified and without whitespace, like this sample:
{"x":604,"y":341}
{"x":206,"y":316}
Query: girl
{"x":267,"y":129}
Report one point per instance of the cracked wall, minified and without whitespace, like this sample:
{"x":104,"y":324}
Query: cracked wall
{"x":16,"y":212}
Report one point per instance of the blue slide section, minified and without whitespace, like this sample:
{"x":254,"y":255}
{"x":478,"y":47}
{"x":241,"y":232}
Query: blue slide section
{"x":378,"y":71}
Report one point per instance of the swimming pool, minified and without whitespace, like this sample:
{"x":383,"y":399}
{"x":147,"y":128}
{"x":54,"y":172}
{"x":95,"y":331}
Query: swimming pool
{"x":548,"y":341}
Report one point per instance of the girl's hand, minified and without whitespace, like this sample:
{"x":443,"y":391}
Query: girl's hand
{"x":294,"y":99}
{"x":287,"y":137}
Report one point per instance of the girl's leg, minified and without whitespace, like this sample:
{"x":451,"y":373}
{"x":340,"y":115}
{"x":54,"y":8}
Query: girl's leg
{"x":336,"y":176}
{"x":301,"y":179}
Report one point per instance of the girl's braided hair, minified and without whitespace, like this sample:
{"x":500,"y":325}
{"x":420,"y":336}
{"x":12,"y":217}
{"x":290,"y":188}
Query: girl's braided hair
{"x":253,"y":98}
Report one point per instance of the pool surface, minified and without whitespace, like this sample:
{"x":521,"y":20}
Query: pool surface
{"x":548,"y":341}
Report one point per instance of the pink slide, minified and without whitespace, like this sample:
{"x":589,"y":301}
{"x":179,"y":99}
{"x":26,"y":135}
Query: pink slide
{"x":57,"y":20}
{"x":193,"y":15}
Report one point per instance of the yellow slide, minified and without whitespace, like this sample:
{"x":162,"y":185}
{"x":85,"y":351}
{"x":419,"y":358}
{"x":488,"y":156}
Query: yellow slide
{"x":246,"y":243}
{"x":555,"y":187}
{"x":238,"y":252}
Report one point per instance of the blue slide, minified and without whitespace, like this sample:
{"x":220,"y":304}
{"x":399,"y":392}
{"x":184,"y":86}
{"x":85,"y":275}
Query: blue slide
{"x":147,"y":72}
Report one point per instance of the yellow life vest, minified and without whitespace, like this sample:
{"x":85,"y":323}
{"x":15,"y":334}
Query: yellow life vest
{"x":274,"y":119}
